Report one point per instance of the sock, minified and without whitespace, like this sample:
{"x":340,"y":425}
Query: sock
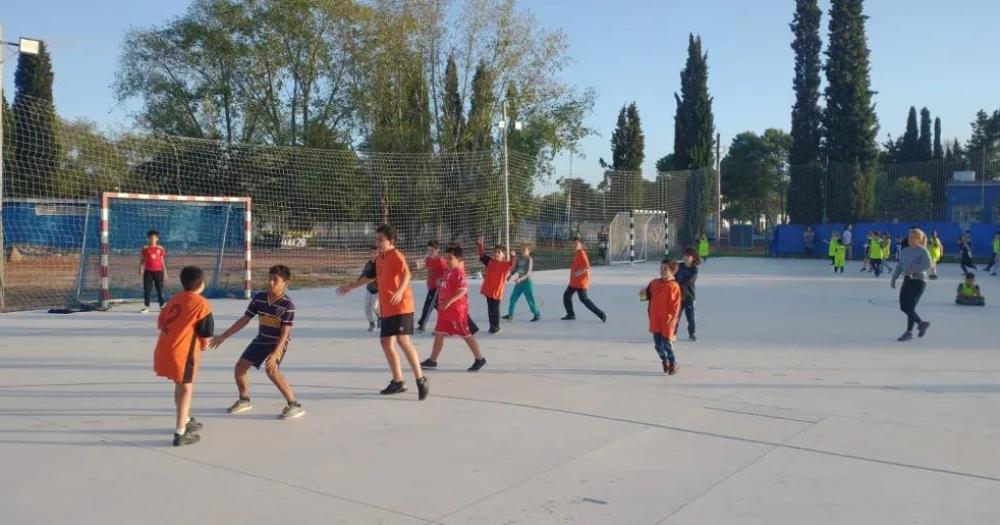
{"x":180,"y":431}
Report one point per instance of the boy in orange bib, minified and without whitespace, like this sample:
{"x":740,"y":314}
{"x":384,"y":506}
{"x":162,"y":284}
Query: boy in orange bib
{"x":185,"y":323}
{"x":664,"y":296}
{"x":497,"y":268}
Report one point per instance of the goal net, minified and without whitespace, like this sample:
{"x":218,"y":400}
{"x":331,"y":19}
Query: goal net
{"x":637,"y":236}
{"x":212,"y":233}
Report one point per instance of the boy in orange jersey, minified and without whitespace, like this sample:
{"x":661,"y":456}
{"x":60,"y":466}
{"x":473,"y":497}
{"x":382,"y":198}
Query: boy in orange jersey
{"x":579,"y":281}
{"x":395,"y":297}
{"x":664,"y":296}
{"x":184,"y":323}
{"x":497,"y":268}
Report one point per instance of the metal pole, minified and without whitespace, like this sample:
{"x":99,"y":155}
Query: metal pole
{"x":3,"y":248}
{"x":222,"y":249}
{"x":631,"y":237}
{"x":718,"y":187}
{"x":506,"y":179}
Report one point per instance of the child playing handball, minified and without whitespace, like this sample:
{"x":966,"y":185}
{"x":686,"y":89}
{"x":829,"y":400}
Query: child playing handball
{"x":152,"y":269}
{"x":396,"y":301}
{"x":664,"y":296}
{"x":524,"y":266}
{"x":371,"y":298}
{"x":453,"y":310}
{"x":185,"y":323}
{"x":497,"y":268}
{"x":579,"y":281}
{"x":436,"y":267}
{"x":275,"y":313}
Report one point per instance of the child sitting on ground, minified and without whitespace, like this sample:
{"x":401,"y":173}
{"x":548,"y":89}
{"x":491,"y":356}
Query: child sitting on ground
{"x":968,"y":292}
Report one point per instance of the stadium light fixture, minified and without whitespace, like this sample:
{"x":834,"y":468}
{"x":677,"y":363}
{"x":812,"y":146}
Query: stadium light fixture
{"x":29,"y":46}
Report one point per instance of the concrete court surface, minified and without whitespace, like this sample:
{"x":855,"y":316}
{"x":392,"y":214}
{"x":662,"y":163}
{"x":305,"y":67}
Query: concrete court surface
{"x":796,"y":406}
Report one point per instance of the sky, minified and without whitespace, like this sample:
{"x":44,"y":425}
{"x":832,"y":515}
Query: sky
{"x":941,"y":55}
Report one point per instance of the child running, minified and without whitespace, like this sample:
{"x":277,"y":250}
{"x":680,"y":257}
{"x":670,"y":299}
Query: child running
{"x":497,"y":268}
{"x":664,"y":296}
{"x":523,"y":286}
{"x":275,"y":313}
{"x":152,"y":269}
{"x":875,"y":251}
{"x":703,"y":247}
{"x":936,"y":250}
{"x":579,"y":281}
{"x":914,"y":263}
{"x":185,"y":323}
{"x":453,"y":310}
{"x":371,"y":298}
{"x":396,"y":302}
{"x":686,"y":275}
{"x":969,"y":293}
{"x":435,"y":266}
{"x":965,"y":253}
{"x":995,"y":258}
{"x":840,"y":255}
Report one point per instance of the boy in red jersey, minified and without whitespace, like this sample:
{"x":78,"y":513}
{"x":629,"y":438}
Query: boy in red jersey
{"x":436,"y":268}
{"x":453,"y":310}
{"x":497,"y":268}
{"x":579,"y":281}
{"x":152,"y":269}
{"x":664,"y":296}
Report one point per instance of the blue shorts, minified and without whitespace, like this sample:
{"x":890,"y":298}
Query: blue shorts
{"x":258,"y":351}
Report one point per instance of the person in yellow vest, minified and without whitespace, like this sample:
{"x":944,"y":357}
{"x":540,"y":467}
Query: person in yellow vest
{"x":968,"y":292}
{"x":831,"y":250}
{"x":936,"y":250}
{"x":875,"y":250}
{"x":703,"y":247}
{"x":840,"y":256}
{"x":995,"y":260}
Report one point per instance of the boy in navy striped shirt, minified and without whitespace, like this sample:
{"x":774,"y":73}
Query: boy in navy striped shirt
{"x":275,"y":313}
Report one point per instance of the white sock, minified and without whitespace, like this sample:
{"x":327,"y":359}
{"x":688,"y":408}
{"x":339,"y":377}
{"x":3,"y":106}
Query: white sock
{"x":180,"y":431}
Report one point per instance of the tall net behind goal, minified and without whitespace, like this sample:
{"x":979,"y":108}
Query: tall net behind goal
{"x":638,"y":236}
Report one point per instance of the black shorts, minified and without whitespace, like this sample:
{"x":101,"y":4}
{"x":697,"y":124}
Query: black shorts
{"x":258,"y":351}
{"x":397,"y":325}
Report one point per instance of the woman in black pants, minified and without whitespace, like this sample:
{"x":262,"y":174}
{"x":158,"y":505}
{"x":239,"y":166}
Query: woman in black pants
{"x":686,"y":276}
{"x":914,"y":265}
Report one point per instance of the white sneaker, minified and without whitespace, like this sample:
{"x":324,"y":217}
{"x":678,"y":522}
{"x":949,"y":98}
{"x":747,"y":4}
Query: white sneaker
{"x":145,"y":310}
{"x":241,"y":405}
{"x":292,"y":412}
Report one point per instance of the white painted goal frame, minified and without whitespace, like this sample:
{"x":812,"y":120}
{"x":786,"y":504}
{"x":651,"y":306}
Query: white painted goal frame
{"x":641,"y":232}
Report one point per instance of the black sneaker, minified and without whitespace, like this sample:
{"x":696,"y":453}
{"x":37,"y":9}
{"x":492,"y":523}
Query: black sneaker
{"x":395,"y":387}
{"x":422,"y":388}
{"x":477,"y":365}
{"x":420,"y":329}
{"x":693,"y":337}
{"x":603,"y":317}
{"x":494,"y":330}
{"x":193,"y":425}
{"x":568,"y":318}
{"x":188,"y":438}
{"x":429,"y":363}
{"x":905,"y":337}
{"x":508,"y":317}
{"x":536,"y":318}
{"x":922,"y":328}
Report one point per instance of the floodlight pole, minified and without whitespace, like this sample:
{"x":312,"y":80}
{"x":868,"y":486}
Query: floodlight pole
{"x":506,"y":180}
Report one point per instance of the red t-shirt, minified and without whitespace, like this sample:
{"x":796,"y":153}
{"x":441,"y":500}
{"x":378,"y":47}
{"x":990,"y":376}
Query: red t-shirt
{"x":495,"y":275}
{"x":580,"y":262}
{"x":390,"y":270}
{"x":436,"y":268}
{"x":152,"y":258}
{"x":664,"y":306}
{"x":455,"y":319}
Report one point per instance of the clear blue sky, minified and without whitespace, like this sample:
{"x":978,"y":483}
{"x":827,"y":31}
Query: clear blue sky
{"x":924,"y":52}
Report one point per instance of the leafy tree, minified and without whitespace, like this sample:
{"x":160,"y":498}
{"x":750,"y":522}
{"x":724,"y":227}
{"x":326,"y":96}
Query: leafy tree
{"x":36,"y":152}
{"x":805,"y":192}
{"x":849,"y":122}
{"x":754,"y":175}
{"x":924,"y":147}
{"x":910,"y":198}
{"x":665,"y":164}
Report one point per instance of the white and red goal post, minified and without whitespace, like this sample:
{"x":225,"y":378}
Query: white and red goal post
{"x":193,"y":229}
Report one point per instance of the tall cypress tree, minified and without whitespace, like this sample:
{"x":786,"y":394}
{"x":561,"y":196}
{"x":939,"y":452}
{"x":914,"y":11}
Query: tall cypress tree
{"x":924,"y":144}
{"x":37,"y":153}
{"x":636,"y":151}
{"x":849,"y":120}
{"x":452,"y":121}
{"x":938,"y":150}
{"x":804,"y":193}
{"x":694,"y":138}
{"x":482,"y":103}
{"x":619,"y":141}
{"x":628,"y":145}
{"x":910,"y":149}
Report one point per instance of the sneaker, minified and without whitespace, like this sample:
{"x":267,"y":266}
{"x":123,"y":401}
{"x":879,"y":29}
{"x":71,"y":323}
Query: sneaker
{"x":568,"y":318}
{"x":422,"y":388}
{"x":429,"y":363}
{"x":494,"y":330}
{"x":420,"y":329}
{"x":666,"y":367}
{"x":536,"y":318}
{"x":477,"y":365}
{"x":692,"y":337}
{"x":922,"y":328}
{"x":187,"y":438}
{"x":371,"y":327}
{"x":509,"y":317}
{"x":395,"y":387}
{"x":603,"y":317}
{"x":241,"y":405}
{"x":292,"y":411}
{"x":672,"y":369}
{"x":193,"y":425}
{"x":145,"y":310}
{"x":905,"y":337}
